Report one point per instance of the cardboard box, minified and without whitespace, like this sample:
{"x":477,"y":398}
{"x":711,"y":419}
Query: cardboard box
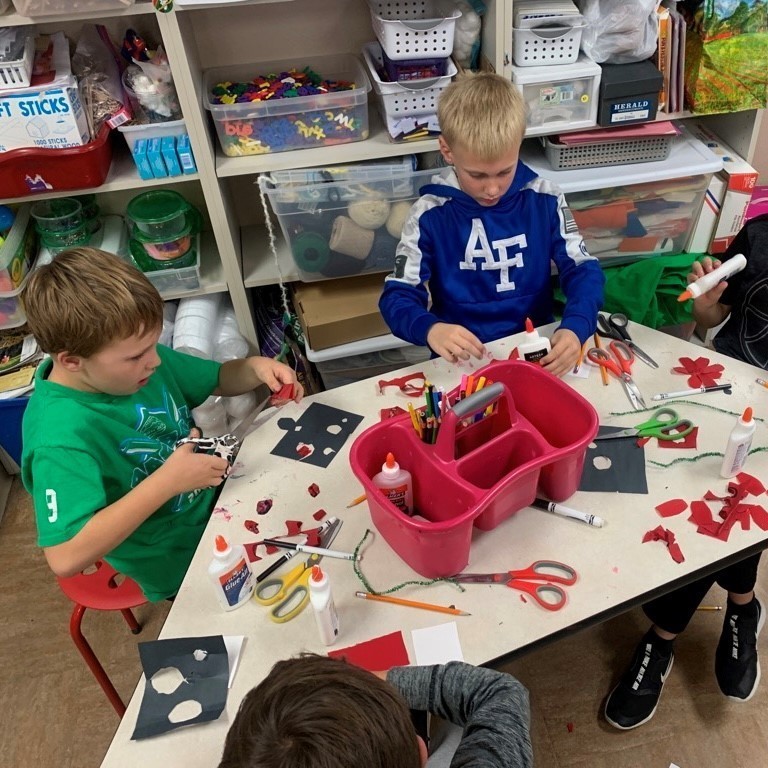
{"x":702,"y":233}
{"x":740,"y":179}
{"x":333,"y":312}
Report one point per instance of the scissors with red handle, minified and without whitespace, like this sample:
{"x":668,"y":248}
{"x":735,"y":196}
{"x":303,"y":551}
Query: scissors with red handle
{"x":541,"y":580}
{"x":619,"y":363}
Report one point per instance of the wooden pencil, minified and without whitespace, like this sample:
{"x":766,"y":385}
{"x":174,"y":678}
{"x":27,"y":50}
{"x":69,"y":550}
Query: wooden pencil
{"x":603,"y":372}
{"x":412,"y":604}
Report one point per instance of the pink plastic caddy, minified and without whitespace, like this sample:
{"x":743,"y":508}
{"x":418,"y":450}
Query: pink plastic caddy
{"x":481,"y":472}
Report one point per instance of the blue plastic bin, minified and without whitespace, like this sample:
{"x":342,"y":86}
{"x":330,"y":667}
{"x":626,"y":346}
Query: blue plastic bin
{"x":11,"y":414}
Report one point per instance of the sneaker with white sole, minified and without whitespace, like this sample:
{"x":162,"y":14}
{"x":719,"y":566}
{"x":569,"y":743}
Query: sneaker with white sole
{"x":634,"y":700}
{"x":737,"y":666}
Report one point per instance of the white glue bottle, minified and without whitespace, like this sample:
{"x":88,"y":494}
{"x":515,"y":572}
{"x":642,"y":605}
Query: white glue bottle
{"x":322,"y":601}
{"x":231,"y":574}
{"x":739,"y":443}
{"x":711,"y":279}
{"x":396,"y":484}
{"x":534,"y":347}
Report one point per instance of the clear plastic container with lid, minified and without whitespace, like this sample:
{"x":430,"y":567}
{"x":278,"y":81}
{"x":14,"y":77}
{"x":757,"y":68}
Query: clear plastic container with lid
{"x":160,"y":214}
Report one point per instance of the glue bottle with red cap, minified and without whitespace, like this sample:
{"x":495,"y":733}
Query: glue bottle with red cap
{"x":396,"y":484}
{"x":739,"y":443}
{"x":322,"y":602}
{"x":231,"y":574}
{"x":534,"y":347}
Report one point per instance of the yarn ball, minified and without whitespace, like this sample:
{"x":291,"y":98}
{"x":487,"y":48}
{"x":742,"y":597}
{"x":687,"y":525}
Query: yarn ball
{"x":369,"y":214}
{"x":397,"y":217}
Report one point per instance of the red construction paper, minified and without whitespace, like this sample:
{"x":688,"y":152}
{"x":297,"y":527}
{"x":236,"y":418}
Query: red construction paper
{"x":760,"y":516}
{"x":376,"y":655}
{"x":252,"y":526}
{"x":320,"y":514}
{"x":514,"y":354}
{"x":294,"y":527}
{"x":751,"y":484}
{"x":664,"y":534}
{"x":250,"y":550}
{"x":701,"y":513}
{"x":700,"y":372}
{"x":263,"y":506}
{"x":285,"y":395}
{"x":406,"y":384}
{"x":313,"y":489}
{"x":672,"y":507}
{"x":389,"y":413}
{"x":689,"y":441}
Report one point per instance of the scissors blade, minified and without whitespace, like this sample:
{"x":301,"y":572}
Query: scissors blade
{"x":622,"y":434}
{"x":329,"y":534}
{"x":240,"y":430}
{"x":646,"y":358}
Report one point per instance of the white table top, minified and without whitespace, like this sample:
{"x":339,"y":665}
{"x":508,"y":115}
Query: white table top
{"x":615,"y":569}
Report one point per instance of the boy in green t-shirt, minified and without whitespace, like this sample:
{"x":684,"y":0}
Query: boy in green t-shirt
{"x":100,"y":429}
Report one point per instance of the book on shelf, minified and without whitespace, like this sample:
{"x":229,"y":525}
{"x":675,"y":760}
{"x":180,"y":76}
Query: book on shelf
{"x":663,"y":56}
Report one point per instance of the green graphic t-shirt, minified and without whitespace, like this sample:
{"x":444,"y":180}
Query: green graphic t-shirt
{"x":83,"y":451}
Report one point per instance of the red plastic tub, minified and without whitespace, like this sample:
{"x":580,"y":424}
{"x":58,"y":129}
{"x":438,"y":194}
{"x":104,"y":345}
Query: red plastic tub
{"x":478,"y":473}
{"x":30,"y":169}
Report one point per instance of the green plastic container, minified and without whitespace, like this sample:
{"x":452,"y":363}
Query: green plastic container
{"x":159,"y":215}
{"x":151,"y":254}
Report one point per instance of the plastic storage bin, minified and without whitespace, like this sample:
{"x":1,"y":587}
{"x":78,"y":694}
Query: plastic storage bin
{"x":547,"y":44}
{"x":29,"y":170}
{"x":276,"y":125}
{"x":17,"y":252}
{"x":177,"y":280}
{"x":16,"y":74}
{"x":414,"y":69}
{"x":339,"y":229}
{"x":402,"y":99}
{"x":12,"y":313}
{"x":414,"y":29}
{"x":480,"y":474}
{"x":132,"y":133}
{"x":629,"y":211}
{"x":598,"y":154}
{"x":559,"y":97}
{"x":68,"y":7}
{"x":11,"y":414}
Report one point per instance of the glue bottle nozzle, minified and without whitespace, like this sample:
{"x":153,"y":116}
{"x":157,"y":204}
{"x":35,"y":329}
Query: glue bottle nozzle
{"x":390,"y":460}
{"x":747,"y":415}
{"x":221,"y":544}
{"x":529,"y":328}
{"x":317,"y":573}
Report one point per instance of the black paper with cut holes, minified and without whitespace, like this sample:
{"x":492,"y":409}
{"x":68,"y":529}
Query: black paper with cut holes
{"x":322,"y":427}
{"x":626,"y":473}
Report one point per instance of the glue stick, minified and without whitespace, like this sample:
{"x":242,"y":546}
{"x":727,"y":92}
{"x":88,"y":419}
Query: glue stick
{"x":534,"y":347}
{"x":231,"y":574}
{"x":396,"y":484}
{"x":322,"y":602}
{"x":711,"y":279}
{"x":739,"y":443}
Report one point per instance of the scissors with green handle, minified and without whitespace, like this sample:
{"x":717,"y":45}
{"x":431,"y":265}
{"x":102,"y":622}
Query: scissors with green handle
{"x":289,"y":594}
{"x":664,"y":424}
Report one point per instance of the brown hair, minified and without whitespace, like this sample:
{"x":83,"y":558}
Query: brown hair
{"x":484,"y":113}
{"x":317,"y":712}
{"x":85,"y":299}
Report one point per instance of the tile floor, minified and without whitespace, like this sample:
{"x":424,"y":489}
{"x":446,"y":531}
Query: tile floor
{"x":53,"y":714}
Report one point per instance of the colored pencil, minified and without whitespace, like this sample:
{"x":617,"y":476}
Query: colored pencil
{"x":412,"y":604}
{"x":581,"y":358}
{"x":762,"y":382}
{"x":710,"y":608}
{"x":603,"y":372}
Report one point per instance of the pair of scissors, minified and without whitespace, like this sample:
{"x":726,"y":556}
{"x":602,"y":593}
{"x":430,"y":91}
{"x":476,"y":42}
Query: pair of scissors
{"x":620,"y":365}
{"x":541,"y":580}
{"x":615,"y":327}
{"x":289,"y":594}
{"x":664,"y":424}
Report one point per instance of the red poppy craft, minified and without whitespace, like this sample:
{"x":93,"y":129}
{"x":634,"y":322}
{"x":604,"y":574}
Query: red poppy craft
{"x":700,"y":372}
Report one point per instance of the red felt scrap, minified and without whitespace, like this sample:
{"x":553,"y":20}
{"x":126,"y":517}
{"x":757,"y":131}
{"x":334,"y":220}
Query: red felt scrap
{"x":672,"y":507}
{"x":250,"y":550}
{"x":313,"y":489}
{"x":285,"y":395}
{"x":320,"y":514}
{"x":750,"y":484}
{"x":641,"y":441}
{"x":514,"y":354}
{"x":689,"y":441}
{"x":664,"y":534}
{"x":376,"y":655}
{"x":294,"y":527}
{"x":252,"y":526}
{"x":263,"y":506}
{"x":701,"y":515}
{"x":406,"y":384}
{"x":569,"y":726}
{"x":389,"y":413}
{"x":700,"y":372}
{"x":304,"y":450}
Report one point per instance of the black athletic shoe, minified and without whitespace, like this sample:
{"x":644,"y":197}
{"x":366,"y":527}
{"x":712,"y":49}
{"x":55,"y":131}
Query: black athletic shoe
{"x":634,"y":700}
{"x":737,"y":666}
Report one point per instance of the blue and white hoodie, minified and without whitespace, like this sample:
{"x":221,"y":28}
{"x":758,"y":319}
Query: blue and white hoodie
{"x":488,"y":268}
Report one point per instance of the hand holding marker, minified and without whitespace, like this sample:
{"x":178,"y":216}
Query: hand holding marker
{"x":711,"y":279}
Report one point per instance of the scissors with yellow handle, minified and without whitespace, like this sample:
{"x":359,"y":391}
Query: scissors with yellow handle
{"x":664,"y":424}
{"x":289,"y":594}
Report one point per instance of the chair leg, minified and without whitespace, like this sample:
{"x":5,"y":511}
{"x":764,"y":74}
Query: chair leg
{"x":130,"y":620}
{"x":93,"y":663}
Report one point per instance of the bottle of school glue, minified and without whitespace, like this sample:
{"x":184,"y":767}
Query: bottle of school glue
{"x":534,"y":347}
{"x":231,"y":574}
{"x":396,"y":484}
{"x":739,"y":443}
{"x":322,"y":602}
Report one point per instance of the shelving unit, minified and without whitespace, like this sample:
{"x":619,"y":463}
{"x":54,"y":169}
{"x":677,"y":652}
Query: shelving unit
{"x":198,"y":37}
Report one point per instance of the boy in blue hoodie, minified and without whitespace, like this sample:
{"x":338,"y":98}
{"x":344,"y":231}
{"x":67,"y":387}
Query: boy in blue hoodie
{"x":480,"y":241}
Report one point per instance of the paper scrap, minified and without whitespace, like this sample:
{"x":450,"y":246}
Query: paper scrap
{"x":437,"y":645}
{"x":376,"y":655}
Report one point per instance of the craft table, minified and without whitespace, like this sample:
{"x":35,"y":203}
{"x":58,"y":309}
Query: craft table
{"x":616,"y":571}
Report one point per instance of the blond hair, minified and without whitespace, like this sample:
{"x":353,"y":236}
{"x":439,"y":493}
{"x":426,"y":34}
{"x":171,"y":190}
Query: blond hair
{"x":85,"y":299}
{"x":484,"y":113}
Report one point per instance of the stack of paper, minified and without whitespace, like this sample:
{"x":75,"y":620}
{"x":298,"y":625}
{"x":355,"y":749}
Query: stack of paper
{"x":532,"y":13}
{"x":670,"y":56}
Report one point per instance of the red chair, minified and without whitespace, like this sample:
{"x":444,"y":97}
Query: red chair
{"x":100,"y":590}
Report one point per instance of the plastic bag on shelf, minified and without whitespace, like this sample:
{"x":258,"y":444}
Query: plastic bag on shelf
{"x":466,"y":38}
{"x":619,"y":31}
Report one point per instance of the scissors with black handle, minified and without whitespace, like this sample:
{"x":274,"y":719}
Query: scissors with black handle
{"x":615,"y":327}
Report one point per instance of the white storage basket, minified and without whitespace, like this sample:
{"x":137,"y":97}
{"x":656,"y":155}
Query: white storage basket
{"x":415,"y":97}
{"x":16,"y":74}
{"x":414,"y":29}
{"x":547,"y":44}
